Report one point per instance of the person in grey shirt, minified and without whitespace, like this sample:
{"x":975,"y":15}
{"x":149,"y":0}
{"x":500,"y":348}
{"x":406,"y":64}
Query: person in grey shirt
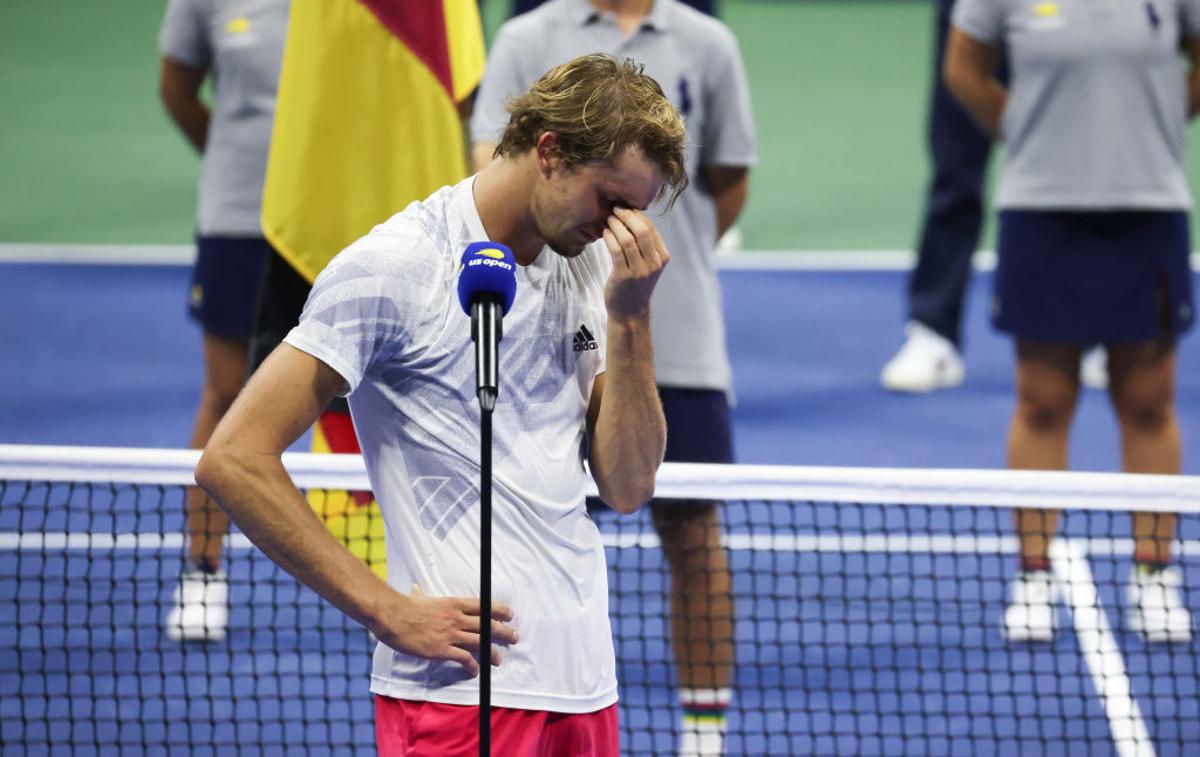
{"x":1093,"y":248}
{"x":238,"y":47}
{"x":696,"y":61}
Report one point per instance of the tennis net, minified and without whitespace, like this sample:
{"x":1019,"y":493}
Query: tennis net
{"x":868,"y":606}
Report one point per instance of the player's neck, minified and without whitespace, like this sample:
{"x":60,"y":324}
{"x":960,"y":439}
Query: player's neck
{"x":502,"y":193}
{"x":628,"y":13}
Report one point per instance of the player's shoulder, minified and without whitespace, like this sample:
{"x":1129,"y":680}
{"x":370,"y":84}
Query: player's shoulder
{"x":700,"y":27}
{"x":405,"y":248}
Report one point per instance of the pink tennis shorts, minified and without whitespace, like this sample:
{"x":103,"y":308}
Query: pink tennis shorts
{"x":429,"y":729}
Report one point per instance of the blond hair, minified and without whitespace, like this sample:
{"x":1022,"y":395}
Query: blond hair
{"x":598,"y":106}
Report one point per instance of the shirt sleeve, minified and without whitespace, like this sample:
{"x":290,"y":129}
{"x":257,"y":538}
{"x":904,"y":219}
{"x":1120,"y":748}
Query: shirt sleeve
{"x":368,"y":305}
{"x":727,"y":136}
{"x":184,"y":33}
{"x":982,"y":20}
{"x":502,"y":80}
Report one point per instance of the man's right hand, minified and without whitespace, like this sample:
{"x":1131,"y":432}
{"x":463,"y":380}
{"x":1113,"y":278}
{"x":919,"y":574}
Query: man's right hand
{"x":442,"y":628}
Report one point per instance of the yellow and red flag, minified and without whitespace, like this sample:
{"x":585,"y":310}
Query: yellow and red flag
{"x":366,"y":118}
{"x":366,"y":121}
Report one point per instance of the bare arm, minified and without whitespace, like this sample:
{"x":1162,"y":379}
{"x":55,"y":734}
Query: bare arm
{"x":1193,"y":53}
{"x":179,"y":90}
{"x":969,"y":74}
{"x":729,"y":186}
{"x":628,"y":433}
{"x":241,"y":469}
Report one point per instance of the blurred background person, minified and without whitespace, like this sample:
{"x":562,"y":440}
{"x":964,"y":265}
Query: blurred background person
{"x":696,"y":61}
{"x":931,"y":355}
{"x":704,"y":6}
{"x":1093,"y":248}
{"x":237,"y":48}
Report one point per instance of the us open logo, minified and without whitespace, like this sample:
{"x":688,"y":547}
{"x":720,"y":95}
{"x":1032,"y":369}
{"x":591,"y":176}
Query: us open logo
{"x":489,"y":258}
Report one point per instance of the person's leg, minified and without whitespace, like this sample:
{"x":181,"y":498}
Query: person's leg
{"x":958,"y":150}
{"x":225,"y":280}
{"x":701,"y":615}
{"x":588,"y":734}
{"x":953,"y":219}
{"x":406,"y":728}
{"x":224,"y":370}
{"x":701,"y":592}
{"x":702,"y":626}
{"x":1142,"y":389}
{"x":1047,"y":389}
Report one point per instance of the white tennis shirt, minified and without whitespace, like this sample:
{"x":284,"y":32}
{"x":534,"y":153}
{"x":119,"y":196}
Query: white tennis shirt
{"x":385,"y":315}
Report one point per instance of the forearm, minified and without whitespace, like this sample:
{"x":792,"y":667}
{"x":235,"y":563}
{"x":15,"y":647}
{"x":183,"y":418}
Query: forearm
{"x":630,"y":434}
{"x":729,"y":195}
{"x":984,"y":99}
{"x":191,"y":116}
{"x":1193,"y":80}
{"x":969,"y":75}
{"x":256,"y":492}
{"x":179,"y":89}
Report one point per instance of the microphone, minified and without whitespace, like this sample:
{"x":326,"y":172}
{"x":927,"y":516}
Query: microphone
{"x":487,"y":286}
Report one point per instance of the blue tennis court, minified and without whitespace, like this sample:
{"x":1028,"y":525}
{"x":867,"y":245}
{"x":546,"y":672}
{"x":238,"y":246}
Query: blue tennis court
{"x":864,"y":629}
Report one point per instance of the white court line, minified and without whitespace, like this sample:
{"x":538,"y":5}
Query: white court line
{"x":1099,"y":647}
{"x":99,"y":254}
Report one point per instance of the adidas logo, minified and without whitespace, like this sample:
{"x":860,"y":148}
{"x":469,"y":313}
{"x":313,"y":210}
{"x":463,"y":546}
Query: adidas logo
{"x":584,"y":340}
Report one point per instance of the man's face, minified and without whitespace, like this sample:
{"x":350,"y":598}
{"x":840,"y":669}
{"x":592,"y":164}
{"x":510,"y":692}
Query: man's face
{"x":571,"y":208}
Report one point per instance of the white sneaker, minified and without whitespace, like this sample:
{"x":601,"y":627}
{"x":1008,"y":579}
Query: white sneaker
{"x":1155,"y":609}
{"x":200,"y":609}
{"x":1093,"y":369}
{"x":1030,"y":612}
{"x":926,"y":362}
{"x":702,"y":739}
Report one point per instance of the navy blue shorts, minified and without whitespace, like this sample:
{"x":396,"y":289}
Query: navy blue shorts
{"x":1087,"y":278}
{"x":225,"y":282}
{"x":698,"y":426}
{"x":698,"y":430}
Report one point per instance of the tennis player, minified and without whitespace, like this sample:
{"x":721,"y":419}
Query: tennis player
{"x":696,"y":60}
{"x":587,"y":149}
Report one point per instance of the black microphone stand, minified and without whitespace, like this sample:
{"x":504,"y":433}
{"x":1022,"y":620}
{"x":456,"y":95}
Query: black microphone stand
{"x":486,"y":332}
{"x":485,"y":576}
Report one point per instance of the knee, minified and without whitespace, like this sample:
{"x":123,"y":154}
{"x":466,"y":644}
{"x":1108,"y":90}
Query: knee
{"x":1145,"y":415}
{"x":1045,"y":413}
